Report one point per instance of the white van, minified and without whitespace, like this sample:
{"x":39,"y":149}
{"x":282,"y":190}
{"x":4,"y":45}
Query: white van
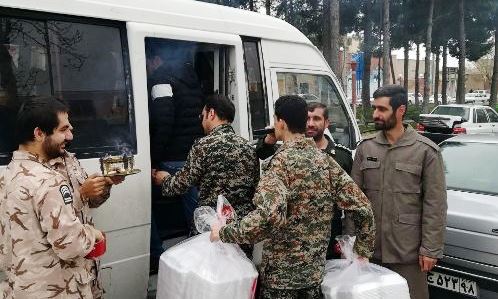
{"x":92,"y":54}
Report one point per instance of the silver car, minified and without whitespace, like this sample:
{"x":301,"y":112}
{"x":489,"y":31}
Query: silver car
{"x":470,"y":264}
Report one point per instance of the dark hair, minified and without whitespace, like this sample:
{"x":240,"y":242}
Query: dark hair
{"x":397,"y":94}
{"x":293,"y":110}
{"x":313,"y":105}
{"x":222,"y":106}
{"x":38,"y":112}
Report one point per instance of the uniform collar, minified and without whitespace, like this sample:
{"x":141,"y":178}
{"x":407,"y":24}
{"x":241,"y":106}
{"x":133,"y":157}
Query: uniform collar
{"x":330,"y":145}
{"x":25,"y":155}
{"x":408,"y":138}
{"x":59,"y":160}
{"x":223,"y":128}
{"x":300,"y":142}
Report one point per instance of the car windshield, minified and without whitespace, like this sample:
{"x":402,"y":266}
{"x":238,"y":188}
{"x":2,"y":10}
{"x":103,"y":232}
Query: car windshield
{"x":455,"y":111}
{"x":468,"y":171}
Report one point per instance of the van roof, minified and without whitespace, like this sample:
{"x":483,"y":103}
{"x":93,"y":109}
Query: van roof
{"x":187,"y":14}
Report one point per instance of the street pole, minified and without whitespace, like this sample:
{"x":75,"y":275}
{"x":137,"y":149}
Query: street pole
{"x":353,"y":87}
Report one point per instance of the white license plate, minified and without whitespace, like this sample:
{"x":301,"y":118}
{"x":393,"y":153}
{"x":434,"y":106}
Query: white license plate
{"x":453,"y":283}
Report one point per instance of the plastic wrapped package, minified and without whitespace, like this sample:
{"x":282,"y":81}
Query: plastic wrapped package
{"x":351,"y":278}
{"x":199,"y":268}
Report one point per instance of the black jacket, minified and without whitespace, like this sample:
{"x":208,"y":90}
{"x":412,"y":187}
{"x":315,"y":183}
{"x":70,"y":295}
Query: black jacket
{"x":174,"y":118}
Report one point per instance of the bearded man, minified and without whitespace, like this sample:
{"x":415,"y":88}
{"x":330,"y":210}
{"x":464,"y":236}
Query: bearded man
{"x":401,"y":172}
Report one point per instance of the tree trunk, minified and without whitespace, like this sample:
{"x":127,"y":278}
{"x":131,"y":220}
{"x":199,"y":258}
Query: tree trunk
{"x":444,"y":84}
{"x":367,"y":52}
{"x":427,"y":66}
{"x":334,"y":37}
{"x":417,"y":66}
{"x":327,"y":32}
{"x":436,"y":79}
{"x":393,"y":76}
{"x":268,"y":7}
{"x":460,"y":96}
{"x":406,"y":65}
{"x":494,"y":80}
{"x":385,"y":43}
{"x":251,"y":5}
{"x":379,"y":75}
{"x":331,"y":35}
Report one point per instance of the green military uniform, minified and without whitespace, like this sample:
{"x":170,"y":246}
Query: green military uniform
{"x":405,"y":183}
{"x":294,"y":200}
{"x":221,"y":163}
{"x":343,"y":156}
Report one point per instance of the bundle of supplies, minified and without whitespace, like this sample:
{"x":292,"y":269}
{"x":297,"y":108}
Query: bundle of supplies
{"x":352,"y":278}
{"x":199,"y":268}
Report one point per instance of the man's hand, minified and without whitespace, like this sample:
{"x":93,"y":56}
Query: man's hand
{"x":115,"y":180}
{"x":362,"y":260}
{"x":98,"y":235}
{"x":426,"y":263}
{"x":215,"y":232}
{"x":158,"y":176}
{"x":93,"y":186}
{"x":270,"y":138}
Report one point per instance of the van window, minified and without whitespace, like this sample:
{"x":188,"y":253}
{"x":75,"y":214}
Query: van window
{"x":78,"y":62}
{"x":493,"y":115}
{"x":257,"y":98}
{"x":319,"y":88}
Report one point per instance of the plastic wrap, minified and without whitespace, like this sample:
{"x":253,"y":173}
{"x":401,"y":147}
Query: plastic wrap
{"x":351,"y":278}
{"x":199,"y":268}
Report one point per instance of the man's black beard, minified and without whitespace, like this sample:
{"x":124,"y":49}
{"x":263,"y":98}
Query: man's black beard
{"x":387,"y":125}
{"x":51,"y":149}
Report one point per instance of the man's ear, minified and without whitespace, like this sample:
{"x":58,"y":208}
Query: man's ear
{"x":401,"y":110}
{"x":39,"y":134}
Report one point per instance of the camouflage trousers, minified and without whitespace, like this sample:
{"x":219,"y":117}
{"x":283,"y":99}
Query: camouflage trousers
{"x":307,"y":293}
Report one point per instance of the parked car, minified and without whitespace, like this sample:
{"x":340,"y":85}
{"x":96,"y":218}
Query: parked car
{"x":478,"y":97}
{"x":470,"y":264}
{"x":411,"y":98}
{"x":447,"y":120}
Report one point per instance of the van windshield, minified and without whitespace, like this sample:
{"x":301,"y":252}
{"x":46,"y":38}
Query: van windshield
{"x":467,"y":171}
{"x":454,"y":111}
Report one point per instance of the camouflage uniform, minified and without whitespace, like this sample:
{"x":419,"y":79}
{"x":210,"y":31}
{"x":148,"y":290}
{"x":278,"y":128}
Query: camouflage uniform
{"x":68,"y":166}
{"x":219,"y":163}
{"x":294,"y":200}
{"x":43,"y":243}
{"x":343,"y":156}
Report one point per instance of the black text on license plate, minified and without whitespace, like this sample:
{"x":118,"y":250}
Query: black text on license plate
{"x":453,"y":283}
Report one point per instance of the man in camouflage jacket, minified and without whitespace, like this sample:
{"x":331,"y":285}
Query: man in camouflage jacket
{"x":318,"y":121}
{"x":43,"y":242}
{"x":221,"y":163}
{"x":294,"y":200}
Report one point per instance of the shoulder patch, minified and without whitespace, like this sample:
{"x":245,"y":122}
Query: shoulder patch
{"x":427,"y":141}
{"x":66,"y":194}
{"x":161,"y":90}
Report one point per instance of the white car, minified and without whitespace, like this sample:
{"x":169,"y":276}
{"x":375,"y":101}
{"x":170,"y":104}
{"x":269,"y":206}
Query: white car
{"x":469,"y":268}
{"x":479,"y":97}
{"x":446,"y":120}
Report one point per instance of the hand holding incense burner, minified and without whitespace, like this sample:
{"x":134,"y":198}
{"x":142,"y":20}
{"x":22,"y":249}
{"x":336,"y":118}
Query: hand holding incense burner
{"x":121,"y":165}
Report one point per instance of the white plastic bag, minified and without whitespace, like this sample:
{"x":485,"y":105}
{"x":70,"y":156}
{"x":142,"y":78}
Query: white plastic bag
{"x":199,"y":268}
{"x":352,"y":279}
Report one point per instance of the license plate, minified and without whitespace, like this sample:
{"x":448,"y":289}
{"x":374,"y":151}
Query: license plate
{"x":453,"y":283}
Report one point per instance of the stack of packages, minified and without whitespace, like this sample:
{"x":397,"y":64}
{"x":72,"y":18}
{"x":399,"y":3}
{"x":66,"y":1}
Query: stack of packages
{"x":351,"y":278}
{"x":198,"y":268}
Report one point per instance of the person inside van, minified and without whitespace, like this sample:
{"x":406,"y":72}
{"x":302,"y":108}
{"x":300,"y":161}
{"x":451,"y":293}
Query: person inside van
{"x":221,"y":163}
{"x":175,"y":101}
